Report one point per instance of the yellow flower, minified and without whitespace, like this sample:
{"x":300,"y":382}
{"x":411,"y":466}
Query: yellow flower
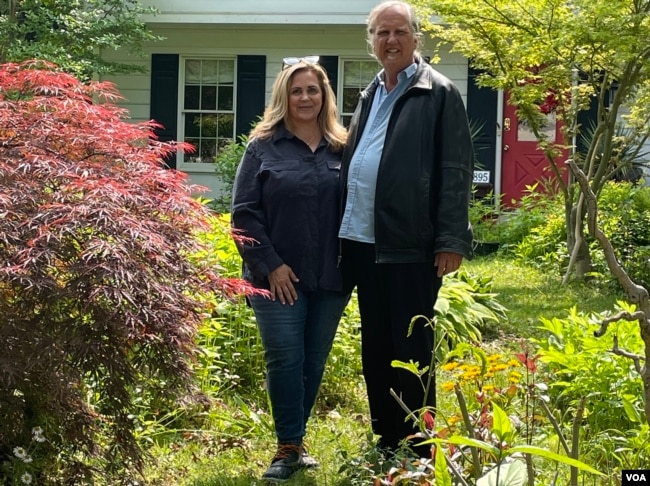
{"x":454,"y":419}
{"x":514,"y":377}
{"x":450,"y":366}
{"x":448,"y":386}
{"x":499,"y":367}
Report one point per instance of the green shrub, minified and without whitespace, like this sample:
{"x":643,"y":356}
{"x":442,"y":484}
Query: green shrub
{"x":624,"y":216}
{"x":582,"y":365}
{"x":225,"y":166}
{"x":232,"y":356}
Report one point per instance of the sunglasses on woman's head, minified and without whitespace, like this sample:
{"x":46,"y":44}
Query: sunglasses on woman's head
{"x":291,"y":61}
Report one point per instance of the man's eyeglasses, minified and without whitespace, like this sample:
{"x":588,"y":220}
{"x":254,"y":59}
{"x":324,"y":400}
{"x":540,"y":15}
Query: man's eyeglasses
{"x":291,"y":61}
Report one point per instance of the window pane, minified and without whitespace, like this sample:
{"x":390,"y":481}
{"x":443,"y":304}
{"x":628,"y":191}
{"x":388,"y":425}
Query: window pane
{"x":225,"y":98}
{"x":223,"y":142}
{"x":351,"y":73}
{"x":193,"y":71}
{"x":367,"y":72}
{"x":226,"y":125}
{"x":209,"y":72}
{"x":192,"y":97}
{"x":350,"y":98}
{"x":208,"y":97}
{"x":346,"y":120}
{"x":209,"y":126}
{"x":359,"y":73}
{"x":192,"y":125}
{"x":226,"y":72}
{"x":191,"y":156}
{"x":208,"y":150}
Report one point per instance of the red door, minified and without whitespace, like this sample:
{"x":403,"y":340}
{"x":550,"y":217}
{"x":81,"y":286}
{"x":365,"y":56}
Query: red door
{"x":522,"y":163}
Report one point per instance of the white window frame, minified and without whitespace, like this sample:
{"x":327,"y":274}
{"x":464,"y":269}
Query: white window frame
{"x":203,"y":166}
{"x":360,"y":85}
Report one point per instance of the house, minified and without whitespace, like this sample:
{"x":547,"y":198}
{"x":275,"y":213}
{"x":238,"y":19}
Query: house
{"x":211,"y":76}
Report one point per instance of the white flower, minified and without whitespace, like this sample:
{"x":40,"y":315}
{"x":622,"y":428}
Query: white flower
{"x":20,"y":453}
{"x":26,"y":478}
{"x":37,"y":433}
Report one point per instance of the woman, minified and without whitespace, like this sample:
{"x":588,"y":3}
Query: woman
{"x":285,"y":199}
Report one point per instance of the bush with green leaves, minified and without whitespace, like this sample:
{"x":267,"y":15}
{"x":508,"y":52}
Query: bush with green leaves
{"x":232,"y":356}
{"x":624,"y":215}
{"x":533,"y":228}
{"x":74,"y":34}
{"x":535,"y":231}
{"x":582,"y":365}
{"x":225,"y":166}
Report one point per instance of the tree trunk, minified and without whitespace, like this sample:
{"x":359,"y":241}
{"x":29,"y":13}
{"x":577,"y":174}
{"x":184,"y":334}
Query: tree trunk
{"x":580,"y":257}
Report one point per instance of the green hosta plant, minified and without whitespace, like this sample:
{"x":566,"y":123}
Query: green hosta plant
{"x":466,"y":306}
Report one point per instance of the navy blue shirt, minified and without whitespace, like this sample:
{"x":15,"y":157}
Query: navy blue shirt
{"x":286,"y":198}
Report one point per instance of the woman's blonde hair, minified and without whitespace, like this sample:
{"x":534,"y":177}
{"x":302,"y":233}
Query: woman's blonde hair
{"x":278,"y":108}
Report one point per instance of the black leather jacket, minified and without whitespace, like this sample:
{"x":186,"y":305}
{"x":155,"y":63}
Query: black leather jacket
{"x":425,"y":173}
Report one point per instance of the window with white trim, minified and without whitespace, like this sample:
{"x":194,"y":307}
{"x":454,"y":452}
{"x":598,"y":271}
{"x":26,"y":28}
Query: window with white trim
{"x":208,"y":108}
{"x":356,"y":76}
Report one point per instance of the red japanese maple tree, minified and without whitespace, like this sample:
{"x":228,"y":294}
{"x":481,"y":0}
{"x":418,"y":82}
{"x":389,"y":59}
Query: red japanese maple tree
{"x":98,"y":293}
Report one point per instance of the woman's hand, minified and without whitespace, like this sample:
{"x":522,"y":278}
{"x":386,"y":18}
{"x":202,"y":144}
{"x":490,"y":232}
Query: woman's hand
{"x":281,"y":280}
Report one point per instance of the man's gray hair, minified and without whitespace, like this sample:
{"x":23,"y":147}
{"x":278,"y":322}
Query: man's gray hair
{"x":414,"y":21}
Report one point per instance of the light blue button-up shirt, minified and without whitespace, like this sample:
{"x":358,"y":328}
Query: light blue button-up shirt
{"x":358,"y":222}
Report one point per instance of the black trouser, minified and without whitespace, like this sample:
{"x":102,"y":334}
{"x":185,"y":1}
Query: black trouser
{"x":390,"y":295}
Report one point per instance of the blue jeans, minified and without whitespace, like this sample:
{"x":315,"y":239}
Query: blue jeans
{"x":297,"y":340}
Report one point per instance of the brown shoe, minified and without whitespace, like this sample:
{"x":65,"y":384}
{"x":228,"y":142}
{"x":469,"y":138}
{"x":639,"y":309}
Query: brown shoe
{"x":287,"y":460}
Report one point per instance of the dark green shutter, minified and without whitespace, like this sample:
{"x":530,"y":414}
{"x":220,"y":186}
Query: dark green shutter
{"x":482,"y":112}
{"x":164,"y":98}
{"x":251,"y":84}
{"x":331,"y":65}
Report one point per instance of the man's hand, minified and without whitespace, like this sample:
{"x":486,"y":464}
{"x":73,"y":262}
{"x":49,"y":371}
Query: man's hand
{"x":281,"y":280}
{"x":447,"y":262}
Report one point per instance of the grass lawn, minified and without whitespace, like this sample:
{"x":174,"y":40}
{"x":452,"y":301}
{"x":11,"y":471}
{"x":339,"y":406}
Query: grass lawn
{"x":529,"y":293}
{"x":237,"y":445}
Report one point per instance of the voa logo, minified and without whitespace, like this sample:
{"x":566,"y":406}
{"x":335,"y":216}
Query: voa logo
{"x":636,"y":477}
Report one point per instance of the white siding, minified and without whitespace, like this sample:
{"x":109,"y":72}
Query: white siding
{"x":334,"y":12}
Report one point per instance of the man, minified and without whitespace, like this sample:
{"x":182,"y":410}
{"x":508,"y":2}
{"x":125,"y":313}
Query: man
{"x":406,"y":181}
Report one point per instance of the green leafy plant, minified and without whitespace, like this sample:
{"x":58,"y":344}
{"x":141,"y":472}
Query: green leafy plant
{"x":74,"y":34}
{"x":482,"y":443}
{"x":226,"y":163}
{"x":466,"y":307}
{"x":612,"y":389}
{"x":484,"y":217}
